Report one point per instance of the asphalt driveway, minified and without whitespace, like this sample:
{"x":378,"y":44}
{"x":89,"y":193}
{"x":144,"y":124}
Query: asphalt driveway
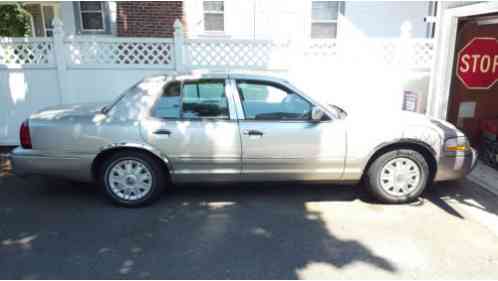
{"x":55,"y":229}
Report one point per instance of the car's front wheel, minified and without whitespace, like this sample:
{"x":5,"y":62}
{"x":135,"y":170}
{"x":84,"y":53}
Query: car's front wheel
{"x":132,"y":179}
{"x":398,"y":176}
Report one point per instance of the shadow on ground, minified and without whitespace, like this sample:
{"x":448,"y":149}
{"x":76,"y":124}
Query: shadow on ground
{"x":53,"y":229}
{"x":466,"y":193}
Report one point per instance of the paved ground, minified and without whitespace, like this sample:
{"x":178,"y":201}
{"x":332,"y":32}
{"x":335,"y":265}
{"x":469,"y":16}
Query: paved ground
{"x":486,"y":177}
{"x":52,"y":229}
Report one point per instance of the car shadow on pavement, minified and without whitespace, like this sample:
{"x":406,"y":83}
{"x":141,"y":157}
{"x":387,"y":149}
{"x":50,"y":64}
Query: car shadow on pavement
{"x":55,"y":229}
{"x":464,"y":192}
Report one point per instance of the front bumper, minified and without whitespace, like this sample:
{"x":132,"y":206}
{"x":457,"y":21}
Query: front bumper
{"x":27,"y":162}
{"x":455,"y":167}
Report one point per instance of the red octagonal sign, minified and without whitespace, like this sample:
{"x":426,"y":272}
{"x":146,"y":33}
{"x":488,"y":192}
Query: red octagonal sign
{"x":478,"y":63}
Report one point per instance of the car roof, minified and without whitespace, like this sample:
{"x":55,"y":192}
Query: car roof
{"x":215,"y":74}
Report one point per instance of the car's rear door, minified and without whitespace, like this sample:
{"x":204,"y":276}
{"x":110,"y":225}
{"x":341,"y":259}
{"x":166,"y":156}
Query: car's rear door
{"x":194,"y":125}
{"x":279,"y":140}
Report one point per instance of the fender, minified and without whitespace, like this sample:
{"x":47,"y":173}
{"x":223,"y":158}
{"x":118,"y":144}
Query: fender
{"x":399,"y":141}
{"x":142,"y":146}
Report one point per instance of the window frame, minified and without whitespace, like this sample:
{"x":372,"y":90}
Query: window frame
{"x":213,"y":12}
{"x":102,"y":14}
{"x":278,"y":86}
{"x":44,"y":21}
{"x":340,"y":5}
{"x":182,"y":83}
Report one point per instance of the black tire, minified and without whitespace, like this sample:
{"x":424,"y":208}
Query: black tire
{"x":158,"y":178}
{"x":373,"y":176}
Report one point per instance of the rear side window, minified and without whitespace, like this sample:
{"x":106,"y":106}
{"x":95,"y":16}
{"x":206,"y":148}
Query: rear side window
{"x":168,"y":105}
{"x":205,"y":100}
{"x":193,"y":100}
{"x":262,"y":101}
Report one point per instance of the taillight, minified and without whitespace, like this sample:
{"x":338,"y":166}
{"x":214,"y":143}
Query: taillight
{"x":25,"y":136}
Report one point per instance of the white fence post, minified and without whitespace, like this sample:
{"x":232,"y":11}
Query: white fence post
{"x":60,"y":60}
{"x":179,"y":46}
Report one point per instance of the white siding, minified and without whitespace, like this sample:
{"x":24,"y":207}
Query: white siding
{"x":67,"y":17}
{"x":281,"y":19}
{"x":384,"y":19}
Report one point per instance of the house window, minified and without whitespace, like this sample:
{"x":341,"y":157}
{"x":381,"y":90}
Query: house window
{"x":214,"y":16}
{"x":324,"y":19}
{"x":92,"y":16}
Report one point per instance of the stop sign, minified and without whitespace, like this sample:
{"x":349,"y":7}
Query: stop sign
{"x":477,"y":66}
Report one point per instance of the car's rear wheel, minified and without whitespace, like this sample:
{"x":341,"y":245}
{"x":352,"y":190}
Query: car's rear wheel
{"x":398,"y":176}
{"x":132,"y":179}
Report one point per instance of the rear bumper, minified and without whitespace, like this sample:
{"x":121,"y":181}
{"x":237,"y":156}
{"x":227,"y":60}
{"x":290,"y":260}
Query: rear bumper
{"x":27,"y":162}
{"x":456,"y":167}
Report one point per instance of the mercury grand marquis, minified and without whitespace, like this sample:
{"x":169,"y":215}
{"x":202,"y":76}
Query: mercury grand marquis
{"x":231,"y":127}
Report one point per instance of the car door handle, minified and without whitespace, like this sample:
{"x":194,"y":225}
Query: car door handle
{"x":253,"y":133}
{"x":162,"y":132}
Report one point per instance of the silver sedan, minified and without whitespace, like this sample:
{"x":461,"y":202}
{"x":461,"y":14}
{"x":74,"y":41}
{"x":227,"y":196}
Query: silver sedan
{"x":236,"y":127}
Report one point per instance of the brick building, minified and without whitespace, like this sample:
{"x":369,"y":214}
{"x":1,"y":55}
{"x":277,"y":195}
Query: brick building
{"x":148,"y":19}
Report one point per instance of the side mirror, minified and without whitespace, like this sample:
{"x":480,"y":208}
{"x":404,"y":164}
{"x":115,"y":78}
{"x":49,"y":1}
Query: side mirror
{"x":316,"y":114}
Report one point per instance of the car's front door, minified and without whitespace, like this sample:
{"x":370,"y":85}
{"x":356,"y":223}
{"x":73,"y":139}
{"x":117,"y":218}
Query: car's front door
{"x":279,"y":139}
{"x":192,"y":124}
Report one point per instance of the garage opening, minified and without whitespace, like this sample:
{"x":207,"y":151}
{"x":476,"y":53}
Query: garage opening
{"x":474,"y":90}
{"x":473,"y":102}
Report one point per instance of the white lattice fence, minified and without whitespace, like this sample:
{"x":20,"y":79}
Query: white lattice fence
{"x":409,"y":53}
{"x":321,"y":48}
{"x":26,"y":51}
{"x":259,"y":54}
{"x":129,"y":52}
{"x":422,"y":53}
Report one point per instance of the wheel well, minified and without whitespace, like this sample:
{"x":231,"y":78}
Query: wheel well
{"x":422,"y":149}
{"x":104,"y":155}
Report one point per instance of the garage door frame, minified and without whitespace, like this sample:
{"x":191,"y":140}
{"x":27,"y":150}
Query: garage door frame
{"x":446,"y":33}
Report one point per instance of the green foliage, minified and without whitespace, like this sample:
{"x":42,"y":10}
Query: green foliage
{"x":14,"y":21}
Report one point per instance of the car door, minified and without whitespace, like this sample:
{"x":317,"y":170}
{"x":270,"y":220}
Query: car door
{"x":194,"y":126}
{"x":279,"y":139}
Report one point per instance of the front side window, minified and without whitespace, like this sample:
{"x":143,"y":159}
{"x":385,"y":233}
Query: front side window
{"x":268,"y":102}
{"x":214,"y":15}
{"x":324,"y":19}
{"x":92,"y":15}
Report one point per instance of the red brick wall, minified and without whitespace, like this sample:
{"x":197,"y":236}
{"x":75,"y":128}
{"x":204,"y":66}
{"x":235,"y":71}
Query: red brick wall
{"x":147,"y":18}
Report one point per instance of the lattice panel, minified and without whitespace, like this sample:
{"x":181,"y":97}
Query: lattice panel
{"x":410,"y":53}
{"x":386,"y":51}
{"x":422,"y":53}
{"x":112,"y":53}
{"x":321,"y":48}
{"x":251,"y":54}
{"x":39,"y":53}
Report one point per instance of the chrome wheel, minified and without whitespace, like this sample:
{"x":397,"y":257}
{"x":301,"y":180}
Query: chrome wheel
{"x":400,"y":176}
{"x":129,"y":179}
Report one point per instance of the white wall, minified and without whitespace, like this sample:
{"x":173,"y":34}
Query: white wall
{"x":67,"y":17}
{"x":384,"y":18}
{"x":23,"y":91}
{"x":281,"y":19}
